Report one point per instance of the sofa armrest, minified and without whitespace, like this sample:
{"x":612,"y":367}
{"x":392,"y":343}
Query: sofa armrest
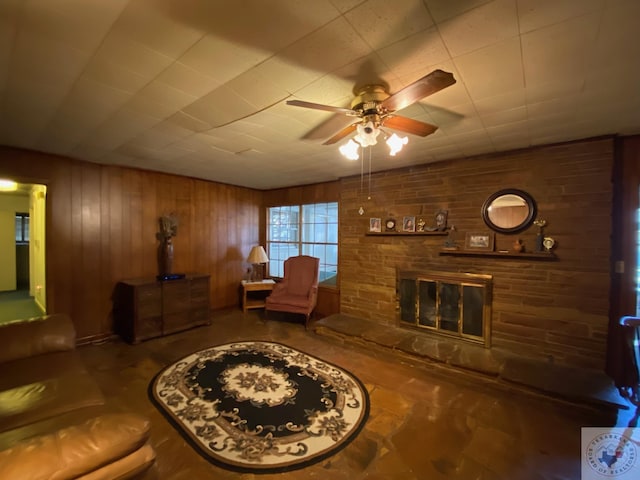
{"x":51,"y":333}
{"x":78,"y":450}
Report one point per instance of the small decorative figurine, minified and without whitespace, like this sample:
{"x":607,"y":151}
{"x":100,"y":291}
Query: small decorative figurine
{"x":518,"y":246}
{"x":421,"y":224}
{"x":540,"y":223}
{"x":450,"y":242}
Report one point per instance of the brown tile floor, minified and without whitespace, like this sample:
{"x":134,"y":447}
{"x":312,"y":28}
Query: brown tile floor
{"x":423,"y":424}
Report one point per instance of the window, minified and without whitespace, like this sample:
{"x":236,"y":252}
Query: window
{"x":22,"y":228}
{"x":304,"y":230}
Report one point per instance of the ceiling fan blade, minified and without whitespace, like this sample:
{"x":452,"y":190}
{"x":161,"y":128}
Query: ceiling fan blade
{"x":409,"y":125}
{"x":327,"y":128}
{"x":341,"y":134}
{"x":427,"y":85}
{"x":319,"y":106}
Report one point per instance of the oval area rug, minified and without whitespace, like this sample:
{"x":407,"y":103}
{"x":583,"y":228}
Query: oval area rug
{"x":261,"y":407}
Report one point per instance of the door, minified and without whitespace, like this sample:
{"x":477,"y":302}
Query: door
{"x":624,"y":257}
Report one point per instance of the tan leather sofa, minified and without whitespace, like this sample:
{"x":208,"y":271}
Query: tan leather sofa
{"x":54,"y":423}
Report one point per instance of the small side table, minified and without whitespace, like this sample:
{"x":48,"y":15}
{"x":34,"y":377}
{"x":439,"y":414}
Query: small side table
{"x":255,"y":301}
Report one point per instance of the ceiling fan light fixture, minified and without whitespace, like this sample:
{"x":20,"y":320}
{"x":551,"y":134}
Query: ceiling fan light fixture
{"x":350,"y":150}
{"x":367,"y":134}
{"x":396,"y":144}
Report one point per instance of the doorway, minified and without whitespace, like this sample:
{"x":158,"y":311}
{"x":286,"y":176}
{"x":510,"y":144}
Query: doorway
{"x":22,"y":252}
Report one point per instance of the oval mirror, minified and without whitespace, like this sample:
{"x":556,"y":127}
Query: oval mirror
{"x":509,"y":211}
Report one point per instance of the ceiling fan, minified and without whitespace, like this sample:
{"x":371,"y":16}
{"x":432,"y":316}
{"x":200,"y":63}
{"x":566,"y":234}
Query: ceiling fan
{"x":375,"y":107}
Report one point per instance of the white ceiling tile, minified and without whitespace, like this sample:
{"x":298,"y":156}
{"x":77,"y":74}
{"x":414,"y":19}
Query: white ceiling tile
{"x":559,"y":51}
{"x":336,"y":90}
{"x":467,"y":124}
{"x":47,"y":60}
{"x":381,"y":23}
{"x":367,"y":70}
{"x":156,"y":25}
{"x":114,"y":76}
{"x":87,"y":152}
{"x":28,"y":120}
{"x":221,"y":59}
{"x":138,"y":151}
{"x":9,"y":18}
{"x":337,"y":37}
{"x":504,"y":117}
{"x":483,"y":26}
{"x":190,"y":123}
{"x":162,"y":134}
{"x":564,"y":106}
{"x":257,"y":88}
{"x":120,"y":128}
{"x":60,"y":139}
{"x":160,"y":93}
{"x":270,"y":26}
{"x":618,"y":37}
{"x":518,"y":130}
{"x":536,"y":14}
{"x":560,"y":88}
{"x":503,"y":101}
{"x":77,"y":23}
{"x":345,"y":5}
{"x":184,"y":78}
{"x":414,"y":56}
{"x":445,"y":9}
{"x":99,"y":98}
{"x":131,"y":55}
{"x":288,"y":75}
{"x":492,"y":70}
{"x":220,"y":107}
{"x":94,"y":13}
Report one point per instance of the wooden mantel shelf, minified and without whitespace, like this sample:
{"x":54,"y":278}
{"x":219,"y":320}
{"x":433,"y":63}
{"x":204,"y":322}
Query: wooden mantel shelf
{"x":480,"y":253}
{"x":405,"y":234}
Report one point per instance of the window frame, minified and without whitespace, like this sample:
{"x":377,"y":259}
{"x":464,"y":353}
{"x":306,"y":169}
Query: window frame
{"x":22,"y":240}
{"x":297,"y":244}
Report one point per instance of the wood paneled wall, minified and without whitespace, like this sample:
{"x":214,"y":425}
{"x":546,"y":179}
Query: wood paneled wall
{"x":101,"y":226}
{"x":557,"y":310}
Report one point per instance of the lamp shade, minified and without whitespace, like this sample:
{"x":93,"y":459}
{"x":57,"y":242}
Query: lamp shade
{"x":257,"y":255}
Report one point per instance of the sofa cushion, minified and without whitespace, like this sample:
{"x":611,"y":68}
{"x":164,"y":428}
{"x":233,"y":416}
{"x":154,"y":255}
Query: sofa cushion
{"x":125,"y":467}
{"x":51,"y":333}
{"x":75,"y":450}
{"x":36,"y":388}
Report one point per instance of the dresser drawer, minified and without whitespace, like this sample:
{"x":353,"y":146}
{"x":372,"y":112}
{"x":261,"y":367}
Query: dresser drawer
{"x":146,"y":308}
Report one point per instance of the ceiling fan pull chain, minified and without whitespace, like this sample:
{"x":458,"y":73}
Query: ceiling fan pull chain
{"x":369,"y":194}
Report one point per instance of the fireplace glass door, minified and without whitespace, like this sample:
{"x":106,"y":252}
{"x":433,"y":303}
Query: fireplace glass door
{"x":458,"y":307}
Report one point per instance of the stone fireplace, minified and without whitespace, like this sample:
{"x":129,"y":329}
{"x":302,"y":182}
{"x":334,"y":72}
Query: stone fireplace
{"x":446,"y":303}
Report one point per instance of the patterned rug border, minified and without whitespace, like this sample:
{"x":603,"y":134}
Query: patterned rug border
{"x":265,"y":470}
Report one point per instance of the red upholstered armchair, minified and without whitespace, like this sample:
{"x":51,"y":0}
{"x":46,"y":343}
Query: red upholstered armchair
{"x":298,"y":291}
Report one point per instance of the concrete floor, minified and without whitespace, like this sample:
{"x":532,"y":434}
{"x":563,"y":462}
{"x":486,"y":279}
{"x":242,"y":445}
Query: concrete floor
{"x":425,"y":423}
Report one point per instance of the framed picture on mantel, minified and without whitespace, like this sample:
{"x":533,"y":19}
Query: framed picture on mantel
{"x":482,"y":241}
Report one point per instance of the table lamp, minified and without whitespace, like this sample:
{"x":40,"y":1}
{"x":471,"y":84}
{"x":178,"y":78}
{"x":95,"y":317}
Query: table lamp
{"x":257,"y":257}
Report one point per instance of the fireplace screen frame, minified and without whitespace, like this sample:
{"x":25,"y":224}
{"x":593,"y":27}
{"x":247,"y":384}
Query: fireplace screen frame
{"x":435,"y":314}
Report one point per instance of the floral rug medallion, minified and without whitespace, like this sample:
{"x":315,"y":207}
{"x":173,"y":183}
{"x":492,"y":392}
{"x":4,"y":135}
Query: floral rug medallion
{"x":261,"y":407}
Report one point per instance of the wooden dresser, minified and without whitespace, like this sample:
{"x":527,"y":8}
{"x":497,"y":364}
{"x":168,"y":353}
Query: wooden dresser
{"x":146,"y":308}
